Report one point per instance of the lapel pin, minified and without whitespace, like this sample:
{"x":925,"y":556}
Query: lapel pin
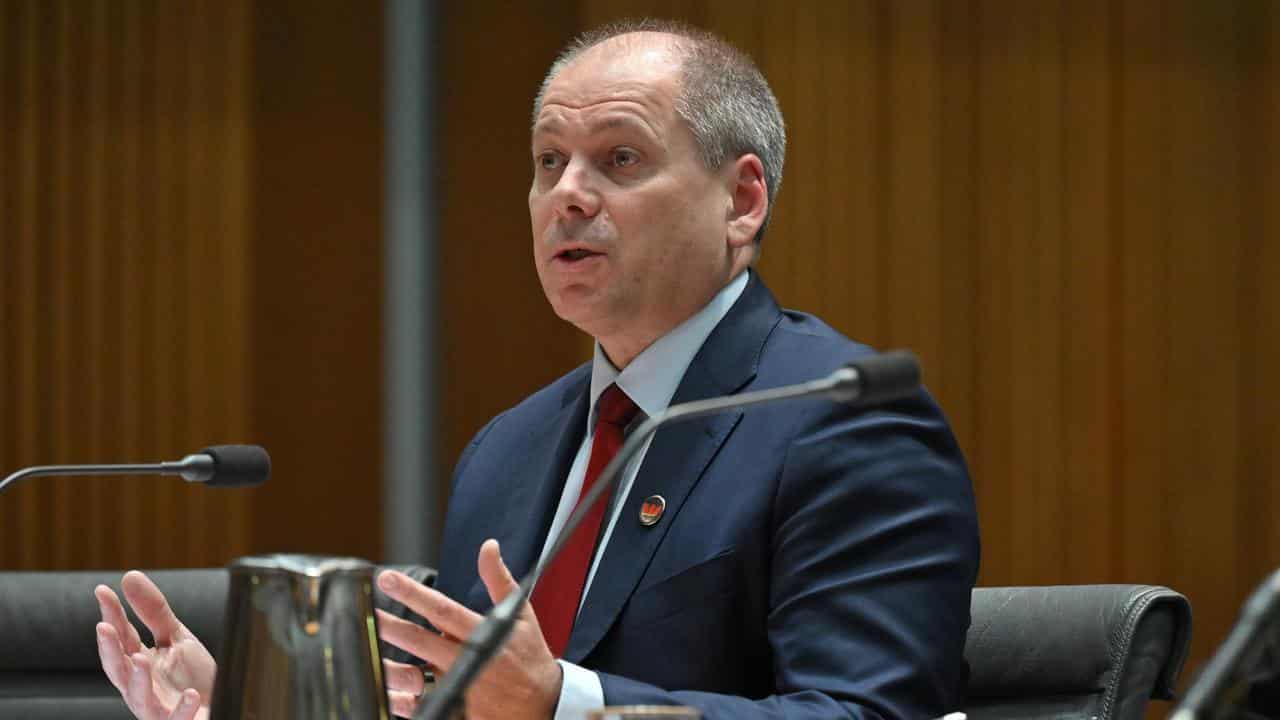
{"x":651,"y":510}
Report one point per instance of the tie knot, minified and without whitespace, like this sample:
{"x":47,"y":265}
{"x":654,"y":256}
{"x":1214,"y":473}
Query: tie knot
{"x":614,"y":407}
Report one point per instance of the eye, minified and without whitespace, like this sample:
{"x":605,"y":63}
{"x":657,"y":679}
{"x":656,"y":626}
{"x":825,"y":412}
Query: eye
{"x":623,"y":157}
{"x":550,"y":160}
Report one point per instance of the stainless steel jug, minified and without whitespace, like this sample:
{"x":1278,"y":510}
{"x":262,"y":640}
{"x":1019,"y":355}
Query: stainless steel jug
{"x":301,"y":642}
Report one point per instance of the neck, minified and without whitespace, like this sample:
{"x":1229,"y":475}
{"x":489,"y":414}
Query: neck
{"x":620,"y":351}
{"x":621,"y":348}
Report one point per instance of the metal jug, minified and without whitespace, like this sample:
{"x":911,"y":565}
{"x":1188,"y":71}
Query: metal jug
{"x":300,"y":642}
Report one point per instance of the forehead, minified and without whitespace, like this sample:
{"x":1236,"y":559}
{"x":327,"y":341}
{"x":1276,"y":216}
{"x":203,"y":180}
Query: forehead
{"x":637,"y":72}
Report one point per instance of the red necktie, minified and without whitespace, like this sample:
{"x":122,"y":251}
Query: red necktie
{"x":558,"y":592}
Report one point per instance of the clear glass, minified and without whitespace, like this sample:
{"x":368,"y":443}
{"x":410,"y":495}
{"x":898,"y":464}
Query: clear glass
{"x":642,"y":712}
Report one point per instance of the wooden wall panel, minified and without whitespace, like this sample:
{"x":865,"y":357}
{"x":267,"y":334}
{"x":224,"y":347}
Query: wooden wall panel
{"x":1142,"y":241}
{"x":1205,"y":334}
{"x":190,"y":202}
{"x":499,"y":338}
{"x":116,"y":124}
{"x":314,"y":307}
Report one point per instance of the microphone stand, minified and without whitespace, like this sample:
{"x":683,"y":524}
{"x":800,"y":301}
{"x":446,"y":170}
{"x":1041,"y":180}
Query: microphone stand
{"x":899,"y":373}
{"x":1224,"y":682}
{"x":192,"y":468}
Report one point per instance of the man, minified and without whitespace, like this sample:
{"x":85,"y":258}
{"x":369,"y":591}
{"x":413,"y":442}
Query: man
{"x":800,"y":560}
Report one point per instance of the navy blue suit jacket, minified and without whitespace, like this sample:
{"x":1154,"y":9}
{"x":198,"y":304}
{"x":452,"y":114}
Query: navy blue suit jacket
{"x":814,"y":561}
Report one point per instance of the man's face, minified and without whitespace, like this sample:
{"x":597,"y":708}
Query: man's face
{"x":629,"y":227}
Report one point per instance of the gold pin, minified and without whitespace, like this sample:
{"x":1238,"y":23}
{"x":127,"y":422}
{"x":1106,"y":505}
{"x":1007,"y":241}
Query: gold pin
{"x":651,"y":510}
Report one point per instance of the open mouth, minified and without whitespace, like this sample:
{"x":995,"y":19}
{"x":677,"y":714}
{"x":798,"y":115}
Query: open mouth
{"x":575,"y":254}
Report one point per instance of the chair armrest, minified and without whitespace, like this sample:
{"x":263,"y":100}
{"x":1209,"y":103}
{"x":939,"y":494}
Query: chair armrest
{"x":1124,"y":643}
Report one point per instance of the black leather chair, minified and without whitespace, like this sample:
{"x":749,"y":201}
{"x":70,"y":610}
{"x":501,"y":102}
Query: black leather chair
{"x":1039,"y":652}
{"x":1074,"y":651}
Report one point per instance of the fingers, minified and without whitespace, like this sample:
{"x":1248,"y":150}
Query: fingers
{"x":404,"y":677}
{"x":141,"y":696}
{"x":417,"y":641}
{"x":188,"y":706}
{"x":494,"y":573}
{"x":115,"y":661}
{"x":403,"y":704}
{"x":446,"y":615}
{"x":152,"y":607}
{"x":113,"y":613}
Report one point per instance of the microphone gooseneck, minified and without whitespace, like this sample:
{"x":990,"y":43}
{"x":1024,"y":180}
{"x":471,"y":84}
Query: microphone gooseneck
{"x":1224,"y":682}
{"x":871,"y":380}
{"x":216,"y":466}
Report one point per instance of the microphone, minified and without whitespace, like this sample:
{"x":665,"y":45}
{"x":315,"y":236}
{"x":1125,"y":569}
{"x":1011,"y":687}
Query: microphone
{"x":215,"y":466}
{"x":1223,"y":686}
{"x":871,"y":380}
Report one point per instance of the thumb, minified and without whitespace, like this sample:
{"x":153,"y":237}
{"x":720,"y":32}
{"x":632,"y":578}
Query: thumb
{"x":494,"y":573}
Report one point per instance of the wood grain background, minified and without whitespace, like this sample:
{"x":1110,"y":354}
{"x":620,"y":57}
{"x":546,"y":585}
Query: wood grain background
{"x":1067,"y":209}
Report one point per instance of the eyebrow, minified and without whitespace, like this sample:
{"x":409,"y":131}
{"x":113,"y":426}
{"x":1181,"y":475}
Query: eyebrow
{"x":555,"y":125}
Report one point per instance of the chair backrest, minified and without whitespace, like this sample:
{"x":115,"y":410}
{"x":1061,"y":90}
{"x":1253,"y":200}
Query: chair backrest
{"x":1086,"y":651}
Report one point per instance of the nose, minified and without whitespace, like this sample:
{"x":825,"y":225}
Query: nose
{"x":575,"y":194}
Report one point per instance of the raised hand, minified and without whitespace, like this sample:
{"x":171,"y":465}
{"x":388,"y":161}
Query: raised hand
{"x":171,"y":681}
{"x":522,"y":681}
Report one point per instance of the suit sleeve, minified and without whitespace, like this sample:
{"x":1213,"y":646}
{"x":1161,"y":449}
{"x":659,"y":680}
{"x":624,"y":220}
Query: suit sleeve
{"x":874,"y":553}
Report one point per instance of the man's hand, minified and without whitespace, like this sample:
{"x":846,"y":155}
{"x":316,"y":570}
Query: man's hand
{"x":522,"y":681}
{"x":171,"y":681}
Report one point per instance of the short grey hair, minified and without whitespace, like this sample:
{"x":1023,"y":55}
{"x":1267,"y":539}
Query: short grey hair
{"x":724,"y":98}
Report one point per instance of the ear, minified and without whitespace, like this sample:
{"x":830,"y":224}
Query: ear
{"x":749,"y":200}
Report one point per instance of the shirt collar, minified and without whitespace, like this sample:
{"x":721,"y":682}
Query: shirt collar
{"x":654,"y":375}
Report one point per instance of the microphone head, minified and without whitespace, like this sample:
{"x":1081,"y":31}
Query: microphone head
{"x":884,"y":377}
{"x":238,"y":465}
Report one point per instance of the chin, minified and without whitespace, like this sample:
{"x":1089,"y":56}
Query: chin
{"x":584,"y":314}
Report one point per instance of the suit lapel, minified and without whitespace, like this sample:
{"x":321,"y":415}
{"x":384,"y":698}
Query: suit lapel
{"x":531,"y":503}
{"x":675,"y":461}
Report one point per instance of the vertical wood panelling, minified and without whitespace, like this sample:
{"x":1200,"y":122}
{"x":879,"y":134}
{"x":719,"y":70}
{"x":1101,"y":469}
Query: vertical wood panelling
{"x":998,"y":211}
{"x":194,"y":273}
{"x":231,"y":219}
{"x":7,"y":131}
{"x":99,"y":419}
{"x":27,"y":421}
{"x":314,"y":274}
{"x":956,"y":380}
{"x":62,"y":257}
{"x":134,"y":142}
{"x":1264,"y":385}
{"x":845,"y":133}
{"x":1142,"y":245}
{"x":912,"y":140}
{"x":1259,"y":298}
{"x":499,"y":339}
{"x":1031,"y":184}
{"x":1046,"y":459}
{"x":1205,"y":333}
{"x":775,"y":55}
{"x":802,"y":251}
{"x":167,"y":243}
{"x":111,"y":351}
{"x":1087,"y":303}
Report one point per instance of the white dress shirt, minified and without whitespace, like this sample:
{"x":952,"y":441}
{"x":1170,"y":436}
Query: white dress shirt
{"x":650,"y":380}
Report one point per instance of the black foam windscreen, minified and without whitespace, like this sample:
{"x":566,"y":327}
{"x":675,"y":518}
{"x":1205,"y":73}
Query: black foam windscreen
{"x":238,"y":465}
{"x":886,"y":376}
